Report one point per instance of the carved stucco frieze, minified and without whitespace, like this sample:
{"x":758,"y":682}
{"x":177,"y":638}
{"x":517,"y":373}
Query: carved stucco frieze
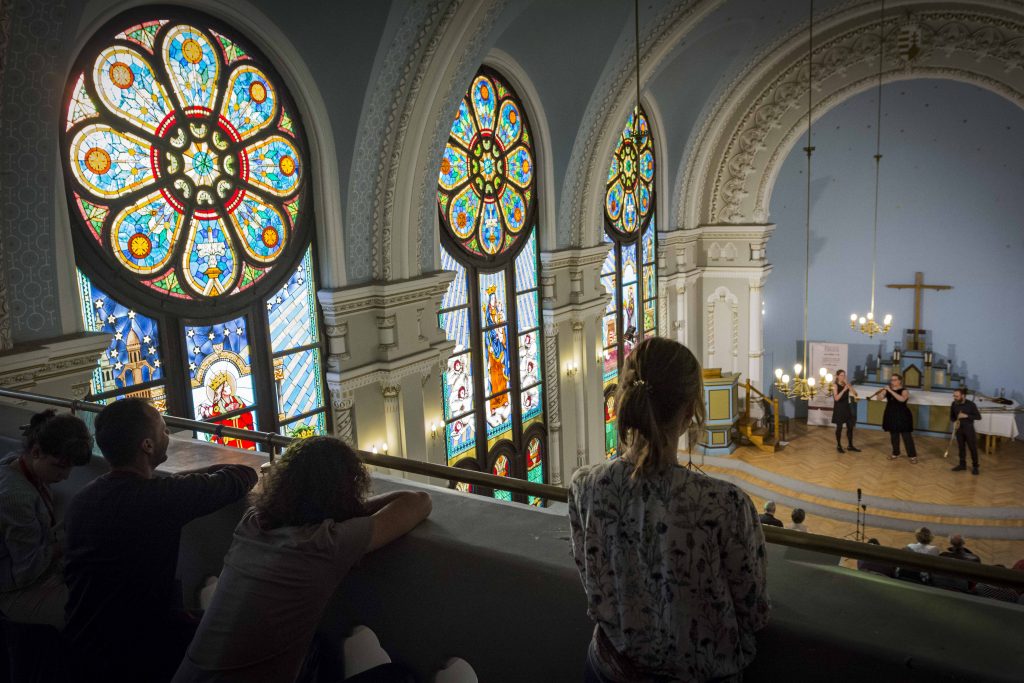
{"x":732,"y":167}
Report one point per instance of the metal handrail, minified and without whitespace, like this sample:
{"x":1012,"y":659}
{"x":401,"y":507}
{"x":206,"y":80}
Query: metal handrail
{"x":786,"y":537}
{"x":429,"y":469}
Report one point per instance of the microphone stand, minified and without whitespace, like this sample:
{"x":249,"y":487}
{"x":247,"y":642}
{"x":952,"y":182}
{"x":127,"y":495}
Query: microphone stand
{"x":860,"y":528}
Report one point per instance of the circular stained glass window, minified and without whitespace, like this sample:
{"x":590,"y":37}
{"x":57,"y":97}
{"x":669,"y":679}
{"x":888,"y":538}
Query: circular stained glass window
{"x":184,"y":161}
{"x":627,"y":204}
{"x":486,"y":182}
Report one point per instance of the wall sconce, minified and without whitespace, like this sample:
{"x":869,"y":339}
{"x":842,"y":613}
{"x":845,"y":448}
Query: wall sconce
{"x":383,"y":448}
{"x":373,"y":448}
{"x":572,"y":368}
{"x":928,"y":357}
{"x":434,"y":426}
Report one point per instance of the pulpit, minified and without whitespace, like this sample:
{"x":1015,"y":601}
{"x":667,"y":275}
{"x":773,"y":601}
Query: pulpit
{"x":720,"y":412}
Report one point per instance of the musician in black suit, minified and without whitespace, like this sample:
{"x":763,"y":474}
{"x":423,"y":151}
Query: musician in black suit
{"x":963,"y":413}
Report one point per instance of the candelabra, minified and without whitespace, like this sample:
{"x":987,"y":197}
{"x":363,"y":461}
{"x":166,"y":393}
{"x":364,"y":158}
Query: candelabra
{"x":800,"y":387}
{"x":867,"y":325}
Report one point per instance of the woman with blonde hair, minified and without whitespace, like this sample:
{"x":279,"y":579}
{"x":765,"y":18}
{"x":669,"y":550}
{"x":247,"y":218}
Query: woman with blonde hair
{"x":672,"y":561}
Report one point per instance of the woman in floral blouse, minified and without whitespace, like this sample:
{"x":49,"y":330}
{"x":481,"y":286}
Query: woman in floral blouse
{"x":672,"y":561}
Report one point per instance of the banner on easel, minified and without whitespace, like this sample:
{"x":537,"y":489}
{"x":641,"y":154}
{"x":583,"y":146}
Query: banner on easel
{"x":832,"y":357}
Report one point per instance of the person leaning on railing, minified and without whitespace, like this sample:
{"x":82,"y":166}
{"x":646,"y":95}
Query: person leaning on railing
{"x":310,"y":521}
{"x":672,"y":561}
{"x":32,"y":588}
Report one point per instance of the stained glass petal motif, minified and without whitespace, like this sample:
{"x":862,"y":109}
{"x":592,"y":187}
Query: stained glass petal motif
{"x":613,"y":201}
{"x":193,"y":67}
{"x":454,"y":168}
{"x":490,"y":229}
{"x":126,"y":84}
{"x":645,"y":200}
{"x":613,"y":168}
{"x":261,"y":226}
{"x":520,"y":167}
{"x":513,"y":208}
{"x":464,"y":212}
{"x":211,"y":265}
{"x":144,"y":234}
{"x":250,"y":102}
{"x":82,"y":106}
{"x":484,"y":100}
{"x":463,"y":128}
{"x":629,"y":217}
{"x":510,"y":123}
{"x":647,"y":166}
{"x":143,"y":34}
{"x":274,"y":166}
{"x":110,"y":163}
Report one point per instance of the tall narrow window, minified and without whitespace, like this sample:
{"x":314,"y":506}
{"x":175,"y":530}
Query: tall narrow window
{"x":185,"y":168}
{"x":628,"y":273}
{"x":492,"y":385}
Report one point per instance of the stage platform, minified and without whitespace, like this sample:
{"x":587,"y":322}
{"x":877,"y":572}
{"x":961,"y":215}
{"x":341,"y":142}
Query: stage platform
{"x":808,"y":472}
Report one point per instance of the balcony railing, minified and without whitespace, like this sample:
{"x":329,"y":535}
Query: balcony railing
{"x":786,"y":537}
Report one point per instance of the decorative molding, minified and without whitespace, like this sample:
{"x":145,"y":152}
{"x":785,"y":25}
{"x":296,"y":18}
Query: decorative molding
{"x":722,"y":296}
{"x":339,"y":303}
{"x":551,"y":366}
{"x":387,"y":332}
{"x":342,"y":404}
{"x":70,"y":359}
{"x":749,"y":133}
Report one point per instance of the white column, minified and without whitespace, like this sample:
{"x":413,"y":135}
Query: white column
{"x":392,"y":418}
{"x":682,"y":296}
{"x":552,"y":368}
{"x":755,"y":356}
{"x":581,"y":413}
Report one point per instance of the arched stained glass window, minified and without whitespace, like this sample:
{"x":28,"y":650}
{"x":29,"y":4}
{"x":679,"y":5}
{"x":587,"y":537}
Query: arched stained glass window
{"x":186,"y":177}
{"x":628,"y":273}
{"x":492,"y":386}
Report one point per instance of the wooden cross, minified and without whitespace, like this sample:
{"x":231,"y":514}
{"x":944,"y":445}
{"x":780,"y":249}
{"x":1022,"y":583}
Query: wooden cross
{"x":919,"y":286}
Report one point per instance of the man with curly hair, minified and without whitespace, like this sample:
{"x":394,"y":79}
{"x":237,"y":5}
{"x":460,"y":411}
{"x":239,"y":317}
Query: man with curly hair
{"x":310,"y":521}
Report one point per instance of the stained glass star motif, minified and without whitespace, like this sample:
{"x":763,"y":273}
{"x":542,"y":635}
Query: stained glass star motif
{"x":131,"y":315}
{"x":113,"y":354}
{"x":152,"y":351}
{"x":156,"y":363}
{"x":98,"y":303}
{"x":111,"y":319}
{"x":146,"y":339}
{"x":211,"y":335}
{"x":118,"y":365}
{"x":118,"y":336}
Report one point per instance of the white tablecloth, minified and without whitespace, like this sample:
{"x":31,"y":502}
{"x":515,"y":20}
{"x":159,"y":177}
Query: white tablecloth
{"x":996,"y":419}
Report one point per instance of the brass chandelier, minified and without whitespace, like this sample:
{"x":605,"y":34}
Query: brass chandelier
{"x":866,"y":324}
{"x":803,"y":385}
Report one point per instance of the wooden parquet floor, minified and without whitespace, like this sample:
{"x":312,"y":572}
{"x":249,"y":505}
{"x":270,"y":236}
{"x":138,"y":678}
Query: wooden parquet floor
{"x":811,"y":456}
{"x":927,"y":493}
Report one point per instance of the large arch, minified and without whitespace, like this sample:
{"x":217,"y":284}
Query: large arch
{"x":582,"y":195}
{"x":747,"y":136}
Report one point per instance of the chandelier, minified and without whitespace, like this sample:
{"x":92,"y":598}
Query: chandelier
{"x":866,"y":324}
{"x":802,"y":385}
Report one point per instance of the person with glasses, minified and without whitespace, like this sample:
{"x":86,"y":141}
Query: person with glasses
{"x":32,"y":588}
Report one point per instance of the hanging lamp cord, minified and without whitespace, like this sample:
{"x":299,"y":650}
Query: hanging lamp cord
{"x":809,"y":149}
{"x":878,"y":153}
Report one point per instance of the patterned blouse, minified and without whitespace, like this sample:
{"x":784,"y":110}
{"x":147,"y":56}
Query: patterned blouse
{"x":673,"y":566}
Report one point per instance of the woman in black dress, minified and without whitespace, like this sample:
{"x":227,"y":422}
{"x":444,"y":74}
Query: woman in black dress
{"x":844,"y":411}
{"x":897,"y":418}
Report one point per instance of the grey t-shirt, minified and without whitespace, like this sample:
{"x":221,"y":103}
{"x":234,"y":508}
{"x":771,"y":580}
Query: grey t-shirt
{"x":270,"y":599}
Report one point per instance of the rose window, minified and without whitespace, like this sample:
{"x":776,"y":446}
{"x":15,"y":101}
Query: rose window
{"x":631,"y":178}
{"x":185,"y":164}
{"x":486,"y":181}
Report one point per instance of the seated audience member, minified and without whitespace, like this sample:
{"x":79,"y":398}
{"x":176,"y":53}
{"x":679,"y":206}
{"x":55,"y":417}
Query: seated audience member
{"x":32,"y":589}
{"x":672,"y":561}
{"x":798,"y":516}
{"x":310,"y":521}
{"x":769,"y":514}
{"x":958,"y":550}
{"x":123,"y":533}
{"x":1019,"y":567}
{"x":876,"y":566}
{"x":924,"y":539}
{"x":923,"y":545}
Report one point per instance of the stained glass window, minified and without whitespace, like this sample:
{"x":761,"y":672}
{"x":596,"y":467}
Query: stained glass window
{"x":628,"y":274}
{"x":493,"y":384}
{"x":187,"y":185}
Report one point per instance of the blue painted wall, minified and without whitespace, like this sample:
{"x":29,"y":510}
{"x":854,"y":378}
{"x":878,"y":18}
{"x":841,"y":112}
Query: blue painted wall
{"x":951,"y":206}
